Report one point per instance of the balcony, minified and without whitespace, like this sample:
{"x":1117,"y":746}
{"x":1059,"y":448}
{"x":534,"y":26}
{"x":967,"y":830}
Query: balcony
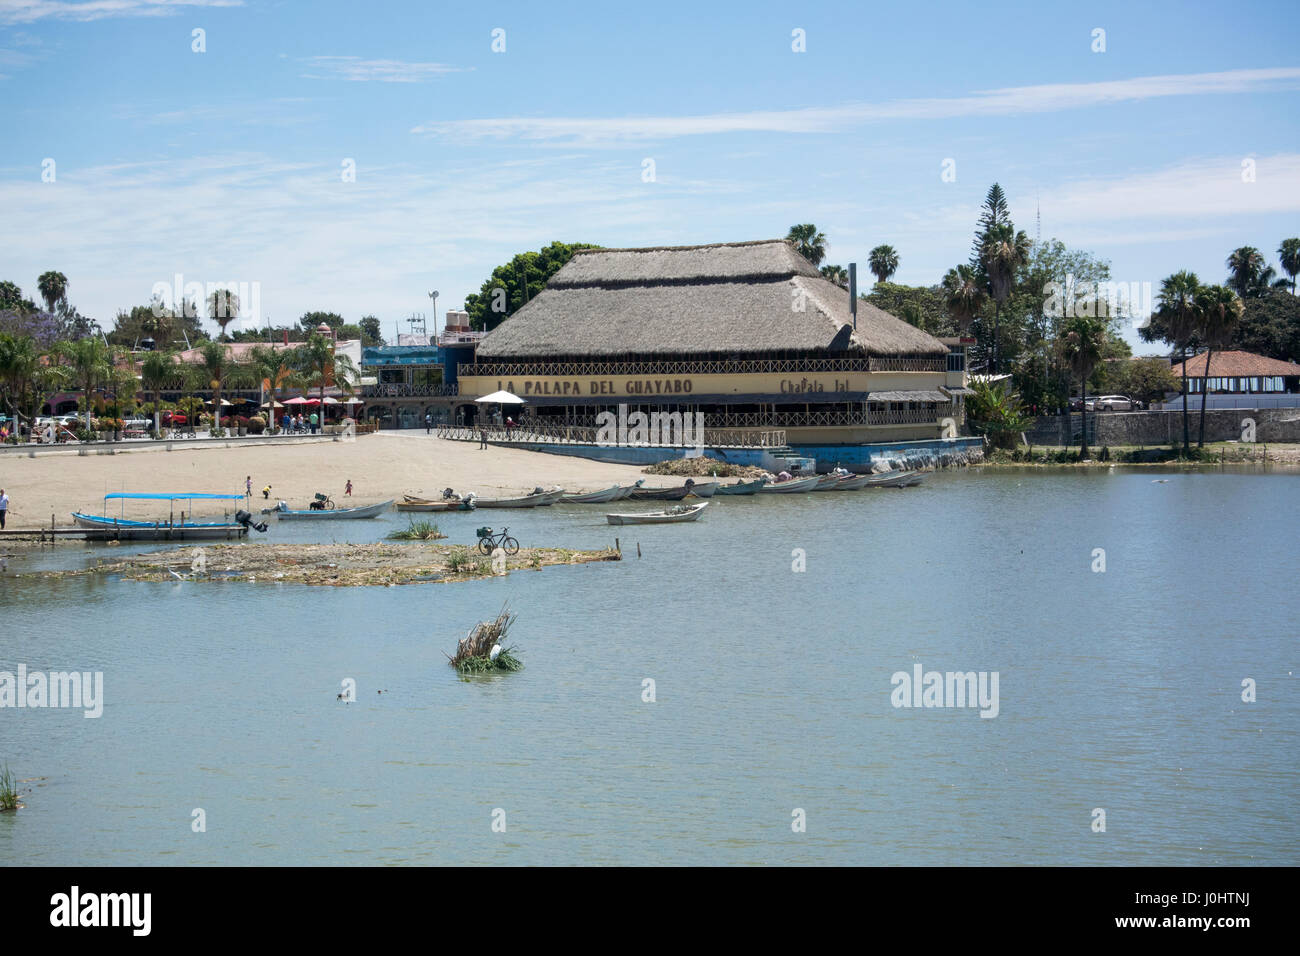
{"x":403,"y":390}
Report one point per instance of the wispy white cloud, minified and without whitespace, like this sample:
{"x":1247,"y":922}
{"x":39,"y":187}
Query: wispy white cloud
{"x":1010,"y":101}
{"x":29,"y":11}
{"x":357,"y":70}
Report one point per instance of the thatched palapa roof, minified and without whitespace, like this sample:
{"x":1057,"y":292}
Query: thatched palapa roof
{"x":727,"y":298}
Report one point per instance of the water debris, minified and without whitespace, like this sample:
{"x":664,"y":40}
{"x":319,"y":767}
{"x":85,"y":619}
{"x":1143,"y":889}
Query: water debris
{"x":418,"y":530}
{"x":483,"y":650}
{"x":334,"y":564}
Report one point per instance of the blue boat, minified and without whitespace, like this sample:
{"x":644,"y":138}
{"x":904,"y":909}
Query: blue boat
{"x":172,"y":529}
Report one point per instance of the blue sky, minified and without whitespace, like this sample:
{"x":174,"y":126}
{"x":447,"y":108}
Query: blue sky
{"x":225,"y":165}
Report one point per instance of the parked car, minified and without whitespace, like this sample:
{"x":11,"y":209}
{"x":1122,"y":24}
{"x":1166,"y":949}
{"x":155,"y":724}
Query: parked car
{"x":1113,"y":403}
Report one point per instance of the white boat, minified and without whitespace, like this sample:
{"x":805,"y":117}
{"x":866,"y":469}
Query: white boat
{"x":672,"y":515}
{"x":704,"y":489}
{"x":895,"y":479}
{"x":793,"y":486}
{"x":827,"y":482}
{"x":594,"y":497}
{"x":536,"y":499}
{"x":363,"y":511}
{"x":852,"y":482}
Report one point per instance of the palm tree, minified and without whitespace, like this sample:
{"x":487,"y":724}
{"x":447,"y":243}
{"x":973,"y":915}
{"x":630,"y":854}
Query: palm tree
{"x":156,"y":372}
{"x":1082,"y":345}
{"x":223,"y":308}
{"x":321,"y":366}
{"x":215,"y":361}
{"x":54,"y":289}
{"x":883,"y":262}
{"x":274,"y":370}
{"x":837,"y":274}
{"x":89,"y":361}
{"x":808,"y":242}
{"x":1002,"y":254}
{"x":963,"y":296}
{"x":1245,"y":267}
{"x":1289,"y":254}
{"x":1218,"y":309}
{"x":1176,"y":309}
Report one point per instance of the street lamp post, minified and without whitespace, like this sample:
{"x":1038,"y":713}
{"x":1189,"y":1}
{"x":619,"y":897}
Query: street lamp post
{"x":434,"y":297}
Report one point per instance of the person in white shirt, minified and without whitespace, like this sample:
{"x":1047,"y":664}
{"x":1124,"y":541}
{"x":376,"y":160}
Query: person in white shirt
{"x":4,"y":507}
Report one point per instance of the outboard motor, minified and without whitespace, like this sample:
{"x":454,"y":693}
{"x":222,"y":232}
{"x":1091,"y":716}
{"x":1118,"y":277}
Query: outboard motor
{"x":449,"y":495}
{"x":246,"y":519}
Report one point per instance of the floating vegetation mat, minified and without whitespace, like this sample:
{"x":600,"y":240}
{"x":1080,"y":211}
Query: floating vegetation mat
{"x":481,"y":651}
{"x":703,"y":467}
{"x":336,"y":565}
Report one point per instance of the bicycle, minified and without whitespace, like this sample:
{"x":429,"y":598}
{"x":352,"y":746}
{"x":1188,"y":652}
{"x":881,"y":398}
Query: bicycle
{"x":489,"y":541}
{"x":322,"y":503}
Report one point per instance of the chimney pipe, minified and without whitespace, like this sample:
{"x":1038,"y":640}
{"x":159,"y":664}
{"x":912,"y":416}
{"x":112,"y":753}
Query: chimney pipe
{"x":853,"y":293}
{"x":286,"y":338}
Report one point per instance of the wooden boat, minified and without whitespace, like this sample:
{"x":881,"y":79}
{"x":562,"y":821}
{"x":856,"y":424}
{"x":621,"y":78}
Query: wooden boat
{"x":895,"y":479}
{"x":410,"y":503}
{"x":594,"y":497}
{"x":363,"y":511}
{"x":852,"y":482}
{"x":742,"y":487}
{"x":667,"y":516}
{"x":184,"y":529}
{"x":661,"y":494}
{"x":793,"y":486}
{"x":705,"y":489}
{"x":626,"y":490}
{"x":536,"y":499}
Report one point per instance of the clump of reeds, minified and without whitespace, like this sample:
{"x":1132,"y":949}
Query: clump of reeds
{"x":8,"y":792}
{"x":421,"y":530}
{"x":474,"y":652}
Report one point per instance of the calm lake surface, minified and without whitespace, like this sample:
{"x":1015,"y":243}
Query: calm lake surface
{"x":1119,"y":690}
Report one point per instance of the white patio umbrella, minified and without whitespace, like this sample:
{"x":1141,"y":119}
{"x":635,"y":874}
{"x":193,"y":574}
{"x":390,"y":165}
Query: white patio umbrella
{"x":501,"y":398}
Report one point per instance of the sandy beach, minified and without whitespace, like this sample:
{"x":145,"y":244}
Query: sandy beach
{"x":380,"y":466}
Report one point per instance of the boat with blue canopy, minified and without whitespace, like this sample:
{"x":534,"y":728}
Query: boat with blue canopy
{"x":180,"y":527}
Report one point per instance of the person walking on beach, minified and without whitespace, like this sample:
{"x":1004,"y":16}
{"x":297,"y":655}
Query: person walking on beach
{"x":482,"y":436}
{"x":4,"y":508}
{"x":347,"y":489}
{"x":428,"y":424}
{"x":266,"y":492}
{"x":248,"y":487}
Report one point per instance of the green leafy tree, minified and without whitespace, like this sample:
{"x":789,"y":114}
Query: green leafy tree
{"x":275,"y":370}
{"x":12,"y":299}
{"x":1270,"y":325}
{"x":808,"y":242}
{"x":883,"y":262}
{"x":837,"y":274}
{"x":1082,"y":346}
{"x":310,"y":321}
{"x":922,"y":306}
{"x":1218,"y":310}
{"x":512,"y":285}
{"x":158,"y":371}
{"x":322,"y":367}
{"x":370,"y":330}
{"x":89,"y":362}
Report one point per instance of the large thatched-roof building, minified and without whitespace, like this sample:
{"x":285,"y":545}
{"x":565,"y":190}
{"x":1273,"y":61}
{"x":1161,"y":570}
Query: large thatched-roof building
{"x":747,"y":333}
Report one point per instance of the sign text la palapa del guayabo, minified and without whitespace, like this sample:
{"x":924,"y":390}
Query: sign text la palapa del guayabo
{"x":647,"y":386}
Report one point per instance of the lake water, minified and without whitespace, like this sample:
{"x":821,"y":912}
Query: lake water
{"x":1119,"y":690}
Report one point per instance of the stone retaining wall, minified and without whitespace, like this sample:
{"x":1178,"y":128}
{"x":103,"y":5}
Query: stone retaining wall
{"x":1166,"y":427}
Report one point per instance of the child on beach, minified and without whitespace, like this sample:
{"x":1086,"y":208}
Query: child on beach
{"x":347,"y":490}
